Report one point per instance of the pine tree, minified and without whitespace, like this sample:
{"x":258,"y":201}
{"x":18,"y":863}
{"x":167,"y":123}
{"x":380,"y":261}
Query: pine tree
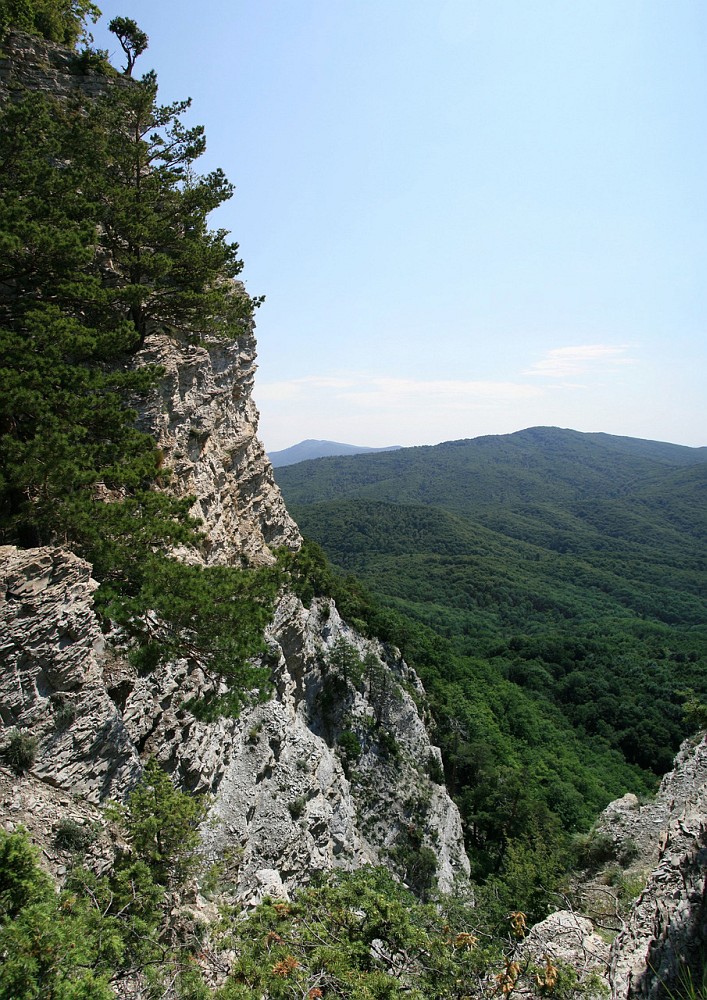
{"x":103,"y":238}
{"x":65,"y":426}
{"x":166,"y":269}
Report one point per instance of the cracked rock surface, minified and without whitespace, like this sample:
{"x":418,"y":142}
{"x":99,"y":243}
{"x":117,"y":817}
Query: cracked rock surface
{"x":665,"y":937}
{"x":203,"y":417}
{"x":282,"y":806}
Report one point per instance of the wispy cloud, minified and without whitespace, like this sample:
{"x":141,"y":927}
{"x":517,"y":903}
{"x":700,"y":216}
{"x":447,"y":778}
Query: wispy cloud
{"x":363,"y":408}
{"x":569,"y":362}
{"x":297,"y":388}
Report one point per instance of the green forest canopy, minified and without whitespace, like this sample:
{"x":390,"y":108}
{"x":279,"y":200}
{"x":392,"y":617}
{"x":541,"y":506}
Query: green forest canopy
{"x":60,"y":21}
{"x":549,"y":588}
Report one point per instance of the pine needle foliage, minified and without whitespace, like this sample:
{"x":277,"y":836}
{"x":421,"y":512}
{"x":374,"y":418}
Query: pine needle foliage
{"x":214,"y":616}
{"x":104,"y":239}
{"x":105,"y":934}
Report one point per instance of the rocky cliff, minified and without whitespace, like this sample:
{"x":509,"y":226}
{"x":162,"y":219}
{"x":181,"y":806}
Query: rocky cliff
{"x":657,"y":851}
{"x":285,"y":802}
{"x":662,"y":948}
{"x":335,"y":769}
{"x":285,"y":799}
{"x":203,"y":417}
{"x":282,"y":805}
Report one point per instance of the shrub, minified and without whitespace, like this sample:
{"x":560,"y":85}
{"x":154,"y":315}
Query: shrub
{"x":627,"y":851}
{"x":20,"y":752}
{"x":93,"y":60}
{"x":349,"y":745}
{"x":64,"y":713}
{"x":297,"y":806}
{"x":345,"y":662}
{"x":73,"y":836}
{"x":388,"y":743}
{"x":162,"y":826}
{"x":435,"y":770}
{"x":349,"y":748}
{"x":415,"y":861}
{"x":254,"y":733}
{"x":595,"y":850}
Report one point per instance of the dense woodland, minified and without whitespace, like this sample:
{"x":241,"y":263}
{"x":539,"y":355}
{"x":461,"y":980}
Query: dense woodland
{"x":548,"y":586}
{"x":556,"y":633}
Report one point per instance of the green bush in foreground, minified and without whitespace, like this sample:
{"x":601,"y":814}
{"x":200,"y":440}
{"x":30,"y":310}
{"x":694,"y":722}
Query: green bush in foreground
{"x":101,"y":931}
{"x":362,"y":936}
{"x":20,"y":751}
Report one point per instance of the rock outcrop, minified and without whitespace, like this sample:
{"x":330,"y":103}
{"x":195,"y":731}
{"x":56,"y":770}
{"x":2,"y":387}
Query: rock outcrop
{"x":52,"y":685}
{"x":569,"y":938}
{"x":331,"y":771}
{"x":657,"y":849}
{"x":282,"y":805}
{"x":28,"y":62}
{"x":204,"y":419}
{"x":663,"y":946}
{"x":336,"y":768}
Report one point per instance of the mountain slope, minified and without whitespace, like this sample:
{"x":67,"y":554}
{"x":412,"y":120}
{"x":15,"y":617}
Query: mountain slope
{"x":538,"y":464}
{"x":571,"y":565}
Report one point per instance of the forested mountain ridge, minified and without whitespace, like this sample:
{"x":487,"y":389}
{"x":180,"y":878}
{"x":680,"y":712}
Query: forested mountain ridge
{"x":566,"y":569}
{"x":544,"y":463}
{"x":536,"y":496}
{"x":310,"y":449}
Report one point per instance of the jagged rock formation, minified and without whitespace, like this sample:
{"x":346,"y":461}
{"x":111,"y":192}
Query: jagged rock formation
{"x":204,"y":419}
{"x":286,"y":800}
{"x":661,"y":846}
{"x":664,"y":942}
{"x":282,"y":806}
{"x":282,"y":802}
{"x":33,"y":805}
{"x":51,"y":683}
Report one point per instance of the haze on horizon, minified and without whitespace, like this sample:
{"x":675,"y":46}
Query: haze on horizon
{"x":468,"y":217}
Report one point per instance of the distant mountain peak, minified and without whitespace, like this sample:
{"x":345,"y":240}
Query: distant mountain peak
{"x":314,"y":448}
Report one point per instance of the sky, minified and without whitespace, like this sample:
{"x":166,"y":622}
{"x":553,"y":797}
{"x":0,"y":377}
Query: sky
{"x":467,"y":216}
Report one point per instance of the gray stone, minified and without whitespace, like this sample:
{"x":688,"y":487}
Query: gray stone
{"x":281,"y":799}
{"x":204,"y":419}
{"x":665,"y":937}
{"x":569,"y":938}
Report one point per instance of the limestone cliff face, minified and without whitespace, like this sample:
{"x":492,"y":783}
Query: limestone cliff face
{"x":664,"y":940}
{"x":52,"y":684}
{"x":282,"y":806}
{"x":286,"y":799}
{"x":203,"y":417}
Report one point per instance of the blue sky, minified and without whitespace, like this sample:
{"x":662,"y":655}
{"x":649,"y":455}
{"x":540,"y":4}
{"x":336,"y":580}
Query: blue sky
{"x":467,"y":216}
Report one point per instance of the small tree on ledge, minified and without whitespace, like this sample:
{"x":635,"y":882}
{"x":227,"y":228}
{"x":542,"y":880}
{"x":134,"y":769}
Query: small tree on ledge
{"x":133,"y":40}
